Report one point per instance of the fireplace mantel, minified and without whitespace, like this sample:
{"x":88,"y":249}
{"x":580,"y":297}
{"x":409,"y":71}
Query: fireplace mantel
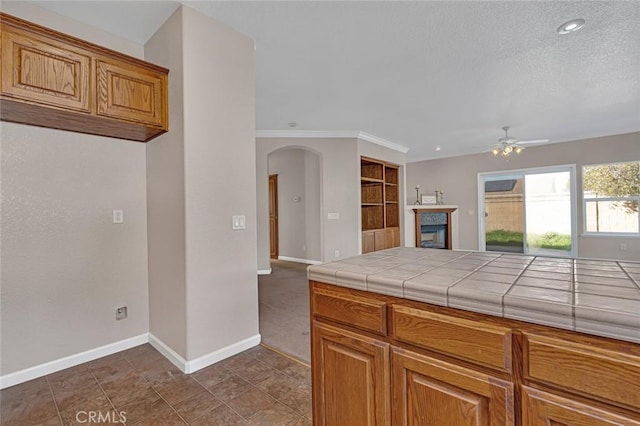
{"x":434,"y":226}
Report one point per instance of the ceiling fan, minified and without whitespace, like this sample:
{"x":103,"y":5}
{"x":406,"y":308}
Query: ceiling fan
{"x":508,"y":145}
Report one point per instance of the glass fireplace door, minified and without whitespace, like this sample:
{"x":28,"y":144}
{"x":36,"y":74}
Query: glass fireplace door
{"x":433,"y":228}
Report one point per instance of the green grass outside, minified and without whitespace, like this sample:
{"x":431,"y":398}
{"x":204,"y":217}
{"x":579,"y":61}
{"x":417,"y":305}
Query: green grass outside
{"x":550,"y":240}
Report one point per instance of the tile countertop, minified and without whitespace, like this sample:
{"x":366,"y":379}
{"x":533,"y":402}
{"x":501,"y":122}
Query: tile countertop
{"x":600,"y":297}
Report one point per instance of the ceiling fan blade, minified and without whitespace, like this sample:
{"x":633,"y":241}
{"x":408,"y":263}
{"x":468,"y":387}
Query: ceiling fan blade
{"x":533,"y":142}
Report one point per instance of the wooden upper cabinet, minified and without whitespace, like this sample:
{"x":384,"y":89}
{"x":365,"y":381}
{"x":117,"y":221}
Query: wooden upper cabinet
{"x":130,"y":93}
{"x":36,"y":69}
{"x":50,"y":79}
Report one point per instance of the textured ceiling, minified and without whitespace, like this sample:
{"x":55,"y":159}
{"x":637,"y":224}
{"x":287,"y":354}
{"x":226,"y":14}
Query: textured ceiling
{"x":423,"y":74}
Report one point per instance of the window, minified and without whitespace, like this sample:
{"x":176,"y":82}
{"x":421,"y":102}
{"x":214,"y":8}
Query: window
{"x":611,"y":195}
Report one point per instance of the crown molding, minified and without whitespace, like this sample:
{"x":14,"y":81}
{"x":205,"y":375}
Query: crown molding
{"x":306,"y":134}
{"x":383,"y":142}
{"x":332,"y":134}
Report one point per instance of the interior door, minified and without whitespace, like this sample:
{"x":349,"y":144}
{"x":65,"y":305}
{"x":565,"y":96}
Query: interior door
{"x":273,"y":216}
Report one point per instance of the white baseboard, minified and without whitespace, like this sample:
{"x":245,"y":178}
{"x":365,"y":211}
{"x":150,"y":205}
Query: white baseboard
{"x":194,"y":365}
{"x":168,"y":353}
{"x":215,"y":356}
{"x":295,"y":259}
{"x":264,"y":271}
{"x":185,"y":366}
{"x":30,"y":373}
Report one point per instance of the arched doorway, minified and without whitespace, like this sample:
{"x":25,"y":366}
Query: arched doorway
{"x":283,"y":294}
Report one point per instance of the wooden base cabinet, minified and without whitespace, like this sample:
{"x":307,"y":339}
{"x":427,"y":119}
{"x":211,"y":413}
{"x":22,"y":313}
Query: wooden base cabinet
{"x":431,"y":392}
{"x":351,"y":378}
{"x":383,"y":360}
{"x":546,"y":409}
{"x":380,"y":239}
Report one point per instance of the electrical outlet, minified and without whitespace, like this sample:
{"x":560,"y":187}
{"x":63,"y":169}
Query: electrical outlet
{"x":623,"y":246}
{"x":336,"y":253}
{"x":121,"y":313}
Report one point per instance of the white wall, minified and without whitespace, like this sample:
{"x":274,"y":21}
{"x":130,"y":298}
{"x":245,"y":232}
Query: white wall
{"x":289,"y":165}
{"x":220,"y":181}
{"x":65,"y":267}
{"x":30,"y":12}
{"x":339,"y":174}
{"x":202,"y":278}
{"x":299,"y":224}
{"x":457,"y":178}
{"x":339,"y":193}
{"x":166,"y":198}
{"x":313,"y":205}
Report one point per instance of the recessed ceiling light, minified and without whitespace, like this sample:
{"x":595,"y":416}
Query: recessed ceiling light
{"x":573,"y":25}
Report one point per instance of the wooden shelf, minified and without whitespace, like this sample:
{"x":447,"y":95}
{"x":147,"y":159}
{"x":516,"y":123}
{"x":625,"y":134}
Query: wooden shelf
{"x":372,"y":180}
{"x":379,"y":203}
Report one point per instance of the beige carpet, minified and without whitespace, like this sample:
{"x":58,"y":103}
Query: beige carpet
{"x":284,"y":309}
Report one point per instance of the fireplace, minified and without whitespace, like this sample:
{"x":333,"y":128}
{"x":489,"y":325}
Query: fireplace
{"x":433,"y":228}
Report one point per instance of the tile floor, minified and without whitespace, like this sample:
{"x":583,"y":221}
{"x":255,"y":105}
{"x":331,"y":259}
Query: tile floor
{"x":258,"y":386}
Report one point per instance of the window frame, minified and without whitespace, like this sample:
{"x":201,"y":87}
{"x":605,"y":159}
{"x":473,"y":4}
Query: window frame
{"x":585,"y":199}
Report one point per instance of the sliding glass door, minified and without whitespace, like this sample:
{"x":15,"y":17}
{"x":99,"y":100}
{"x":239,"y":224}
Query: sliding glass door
{"x":504,"y":213}
{"x":528,"y":211}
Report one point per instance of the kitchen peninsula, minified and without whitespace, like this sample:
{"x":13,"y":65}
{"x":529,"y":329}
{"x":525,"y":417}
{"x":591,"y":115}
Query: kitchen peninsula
{"x":435,"y":337}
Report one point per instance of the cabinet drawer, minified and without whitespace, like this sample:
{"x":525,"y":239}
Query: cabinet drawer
{"x":345,"y":307}
{"x":44,"y":71}
{"x":483,"y":344}
{"x":585,"y":368}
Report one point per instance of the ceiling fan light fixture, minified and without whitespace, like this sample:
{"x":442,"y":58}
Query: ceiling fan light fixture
{"x":507,"y":145}
{"x":570,"y":26}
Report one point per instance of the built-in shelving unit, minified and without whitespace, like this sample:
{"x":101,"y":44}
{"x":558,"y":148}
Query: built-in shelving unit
{"x":379,"y":204}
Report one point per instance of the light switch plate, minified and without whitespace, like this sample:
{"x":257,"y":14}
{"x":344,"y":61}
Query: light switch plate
{"x":118,"y":216}
{"x":333,"y":216}
{"x":238,"y":222}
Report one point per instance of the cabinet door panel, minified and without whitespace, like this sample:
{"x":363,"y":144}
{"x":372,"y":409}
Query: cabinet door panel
{"x":380,"y":237}
{"x":393,"y":237}
{"x":368,"y":242}
{"x":130,"y":93}
{"x":44,"y":72}
{"x":431,"y":392}
{"x":545,"y":409}
{"x":350,"y":378}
